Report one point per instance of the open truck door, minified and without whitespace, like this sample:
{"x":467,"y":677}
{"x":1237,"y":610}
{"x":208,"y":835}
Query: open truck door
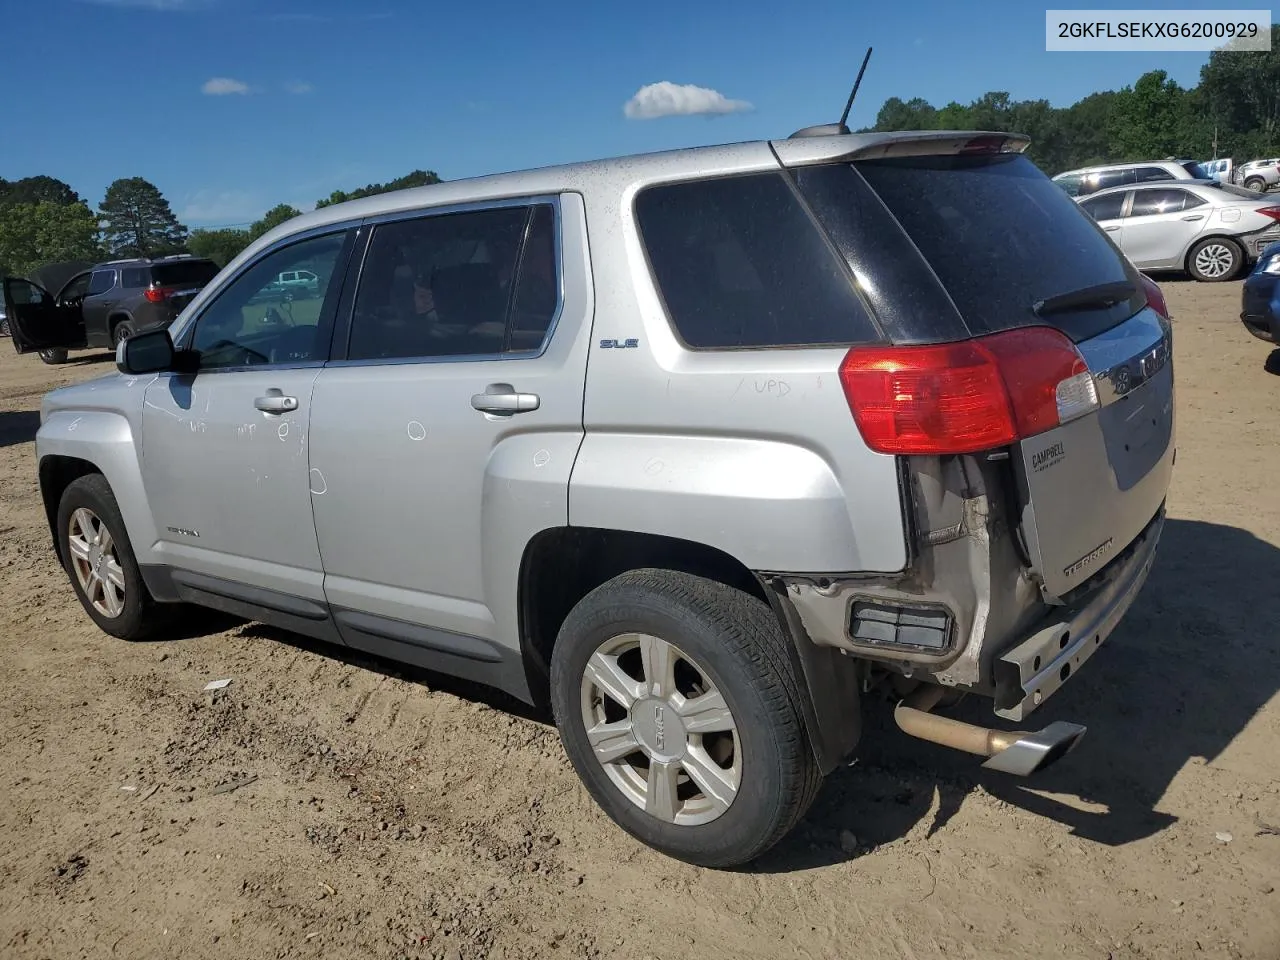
{"x":38,"y":321}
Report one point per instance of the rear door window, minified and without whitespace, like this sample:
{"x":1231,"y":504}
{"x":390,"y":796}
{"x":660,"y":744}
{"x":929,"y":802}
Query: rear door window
{"x":1150,"y":203}
{"x":1000,"y":236}
{"x":101,"y":281}
{"x":1105,"y":208}
{"x":740,"y":264}
{"x":1148,"y":174}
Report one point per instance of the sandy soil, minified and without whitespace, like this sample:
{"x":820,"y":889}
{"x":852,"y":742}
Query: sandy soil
{"x":403,"y":815}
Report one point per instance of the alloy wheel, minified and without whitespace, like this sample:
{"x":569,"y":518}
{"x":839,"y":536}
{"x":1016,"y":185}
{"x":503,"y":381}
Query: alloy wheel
{"x":1214,"y":260}
{"x":662,"y":731}
{"x":95,"y":562}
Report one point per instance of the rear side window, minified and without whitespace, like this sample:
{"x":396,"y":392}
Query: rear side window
{"x":1104,"y":208}
{"x":1148,"y":174}
{"x":739,"y":263}
{"x":134,"y":277}
{"x":101,"y":281}
{"x":1000,"y":237}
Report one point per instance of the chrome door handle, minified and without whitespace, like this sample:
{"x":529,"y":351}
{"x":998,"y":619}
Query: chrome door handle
{"x":503,"y":398}
{"x":276,"y":402}
{"x":1112,"y":229}
{"x":1194,"y":216}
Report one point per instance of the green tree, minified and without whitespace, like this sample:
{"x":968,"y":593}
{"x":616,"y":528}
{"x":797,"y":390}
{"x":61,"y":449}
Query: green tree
{"x":220,"y":246}
{"x":39,"y":189}
{"x":418,"y":178}
{"x":33,"y":234}
{"x":280,"y":213}
{"x":137,"y":221}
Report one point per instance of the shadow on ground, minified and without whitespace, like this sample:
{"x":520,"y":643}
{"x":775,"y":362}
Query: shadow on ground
{"x":1272,"y":364}
{"x":18,"y":426}
{"x":1181,"y":677}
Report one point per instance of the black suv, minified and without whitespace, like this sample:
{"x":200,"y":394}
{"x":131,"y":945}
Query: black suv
{"x":103,"y":305}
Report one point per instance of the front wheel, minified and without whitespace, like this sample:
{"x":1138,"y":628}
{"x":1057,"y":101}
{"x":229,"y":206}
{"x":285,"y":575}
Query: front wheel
{"x":100,"y":562}
{"x":53,"y":355}
{"x":678,"y":707}
{"x":1215,"y":259}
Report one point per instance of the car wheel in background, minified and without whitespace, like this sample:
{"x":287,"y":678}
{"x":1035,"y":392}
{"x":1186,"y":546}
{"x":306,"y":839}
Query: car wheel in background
{"x":1256,"y":183}
{"x":54,"y":355}
{"x":4,"y":327}
{"x":1214,"y":259}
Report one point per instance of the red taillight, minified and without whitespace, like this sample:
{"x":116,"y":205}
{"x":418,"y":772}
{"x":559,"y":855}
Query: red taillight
{"x":968,"y":396}
{"x":1272,"y":212}
{"x":158,"y":294}
{"x":1155,"y":296}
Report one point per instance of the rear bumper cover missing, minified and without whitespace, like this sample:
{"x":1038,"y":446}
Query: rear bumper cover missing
{"x":1030,"y":672}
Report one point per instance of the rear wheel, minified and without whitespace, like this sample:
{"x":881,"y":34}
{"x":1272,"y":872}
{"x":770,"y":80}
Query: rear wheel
{"x":121,"y":332}
{"x":1215,"y":259}
{"x":4,"y":327}
{"x":54,"y":355}
{"x":678,"y":707}
{"x":100,"y":562}
{"x":1256,"y":183}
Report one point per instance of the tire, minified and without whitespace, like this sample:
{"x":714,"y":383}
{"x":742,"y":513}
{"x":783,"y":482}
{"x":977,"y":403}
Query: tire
{"x":730,"y":643}
{"x":1256,"y":183}
{"x":87,"y":507}
{"x":1215,"y":259}
{"x":54,"y":355}
{"x":4,"y":327}
{"x":120,"y":332}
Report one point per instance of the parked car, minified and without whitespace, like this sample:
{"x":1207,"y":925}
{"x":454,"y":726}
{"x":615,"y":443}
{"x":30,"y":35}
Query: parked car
{"x":701,"y":448}
{"x":1258,"y":175}
{"x":1212,"y":230}
{"x":1088,"y":180}
{"x":1260,"y":298}
{"x":105,"y":304}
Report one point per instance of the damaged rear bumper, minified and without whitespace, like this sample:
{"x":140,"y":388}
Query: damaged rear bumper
{"x":1033,"y":670}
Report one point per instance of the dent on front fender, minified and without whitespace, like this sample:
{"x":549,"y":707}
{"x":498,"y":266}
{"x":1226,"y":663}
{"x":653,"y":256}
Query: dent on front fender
{"x":771,"y":505}
{"x":106,"y":441}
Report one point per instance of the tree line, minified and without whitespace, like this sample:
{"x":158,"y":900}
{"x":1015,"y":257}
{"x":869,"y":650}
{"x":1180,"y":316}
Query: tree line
{"x":1233,"y":111}
{"x":43,"y":220}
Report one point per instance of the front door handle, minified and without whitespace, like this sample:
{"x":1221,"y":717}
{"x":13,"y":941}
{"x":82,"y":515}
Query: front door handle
{"x":1112,"y":229}
{"x":1194,"y":216}
{"x":276,"y":402}
{"x":502,"y":398}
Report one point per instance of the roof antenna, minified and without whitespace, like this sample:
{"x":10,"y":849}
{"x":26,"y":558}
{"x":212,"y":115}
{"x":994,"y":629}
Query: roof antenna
{"x":836,"y":129}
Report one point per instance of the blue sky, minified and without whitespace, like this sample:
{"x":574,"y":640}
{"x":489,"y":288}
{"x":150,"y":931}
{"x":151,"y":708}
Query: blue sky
{"x":231,"y":106}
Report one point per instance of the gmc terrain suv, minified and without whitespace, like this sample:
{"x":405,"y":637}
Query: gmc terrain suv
{"x":700,"y":448}
{"x":106,"y":304}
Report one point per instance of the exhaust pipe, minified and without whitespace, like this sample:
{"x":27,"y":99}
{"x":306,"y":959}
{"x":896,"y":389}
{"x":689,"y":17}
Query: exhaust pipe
{"x":1015,"y":752}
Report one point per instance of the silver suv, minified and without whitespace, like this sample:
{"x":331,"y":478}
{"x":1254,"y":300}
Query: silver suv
{"x":702,"y":449}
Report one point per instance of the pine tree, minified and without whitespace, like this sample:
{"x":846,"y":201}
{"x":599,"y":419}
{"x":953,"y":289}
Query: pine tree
{"x":137,"y":221}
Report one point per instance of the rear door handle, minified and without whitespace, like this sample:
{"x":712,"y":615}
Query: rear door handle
{"x":1112,"y":229}
{"x":502,"y":398}
{"x":1194,"y":216}
{"x":276,"y":402}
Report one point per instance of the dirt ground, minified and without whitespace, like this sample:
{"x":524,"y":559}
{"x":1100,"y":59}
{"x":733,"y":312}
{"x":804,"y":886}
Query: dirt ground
{"x":396,"y":814}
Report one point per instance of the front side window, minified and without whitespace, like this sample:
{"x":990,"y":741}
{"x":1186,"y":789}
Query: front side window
{"x":101,"y":281}
{"x":253,"y":322}
{"x":474,"y":283}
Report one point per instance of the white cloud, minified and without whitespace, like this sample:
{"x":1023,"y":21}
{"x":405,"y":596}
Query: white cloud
{"x":298,"y":87}
{"x":222,"y":86}
{"x":667,"y":99}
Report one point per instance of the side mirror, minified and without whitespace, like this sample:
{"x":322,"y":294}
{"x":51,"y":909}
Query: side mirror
{"x":149,"y":352}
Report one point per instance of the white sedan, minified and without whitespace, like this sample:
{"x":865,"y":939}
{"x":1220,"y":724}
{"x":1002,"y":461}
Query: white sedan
{"x":1211,"y":230}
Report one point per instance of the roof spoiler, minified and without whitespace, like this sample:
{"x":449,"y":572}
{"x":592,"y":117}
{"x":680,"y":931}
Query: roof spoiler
{"x":826,"y":143}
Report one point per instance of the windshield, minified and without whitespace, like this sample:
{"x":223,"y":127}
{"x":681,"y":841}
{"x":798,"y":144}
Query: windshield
{"x":193,"y":273}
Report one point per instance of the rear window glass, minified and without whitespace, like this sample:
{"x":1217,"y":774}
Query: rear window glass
{"x":739,"y":263}
{"x":1001,"y":236}
{"x":194,"y":273}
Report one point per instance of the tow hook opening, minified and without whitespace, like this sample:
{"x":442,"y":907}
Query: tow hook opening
{"x":1016,"y":752}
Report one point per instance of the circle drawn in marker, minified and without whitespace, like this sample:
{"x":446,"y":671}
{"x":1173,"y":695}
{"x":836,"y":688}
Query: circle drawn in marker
{"x":282,"y":431}
{"x":318,"y":486}
{"x":542,"y":458}
{"x":416,"y":430}
{"x":654,"y":467}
